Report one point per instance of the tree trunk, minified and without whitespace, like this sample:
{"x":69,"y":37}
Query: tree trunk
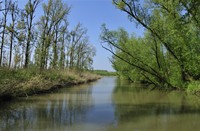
{"x":11,"y":46}
{"x":27,"y":52}
{"x":3,"y":39}
{"x":55,"y":55}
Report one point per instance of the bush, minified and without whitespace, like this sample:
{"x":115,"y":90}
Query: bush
{"x":193,"y":87}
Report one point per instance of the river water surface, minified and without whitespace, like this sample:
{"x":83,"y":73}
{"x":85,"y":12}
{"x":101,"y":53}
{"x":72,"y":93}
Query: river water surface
{"x":105,"y":105}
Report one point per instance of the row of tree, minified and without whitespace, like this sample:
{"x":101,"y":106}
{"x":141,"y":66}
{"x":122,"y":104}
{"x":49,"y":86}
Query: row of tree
{"x":168,"y":55}
{"x":45,"y":42}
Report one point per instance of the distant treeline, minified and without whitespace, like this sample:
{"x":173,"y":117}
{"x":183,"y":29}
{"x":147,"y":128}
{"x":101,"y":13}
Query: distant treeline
{"x":104,"y":73}
{"x":168,"y":55}
{"x":45,"y":42}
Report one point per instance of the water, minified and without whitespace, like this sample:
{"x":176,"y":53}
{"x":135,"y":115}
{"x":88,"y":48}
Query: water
{"x":105,"y":105}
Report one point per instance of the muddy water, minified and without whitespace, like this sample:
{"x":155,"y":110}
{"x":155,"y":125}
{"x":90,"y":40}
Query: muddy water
{"x":105,"y":105}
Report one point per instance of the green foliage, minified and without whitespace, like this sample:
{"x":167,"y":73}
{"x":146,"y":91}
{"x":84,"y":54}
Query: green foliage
{"x":104,"y":73}
{"x":193,"y":87}
{"x":121,"y":4}
{"x":167,"y":56}
{"x":48,"y":39}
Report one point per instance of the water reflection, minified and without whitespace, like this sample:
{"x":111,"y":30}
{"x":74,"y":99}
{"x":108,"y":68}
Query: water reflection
{"x":139,"y":109}
{"x":107,"y":105}
{"x":48,"y":112}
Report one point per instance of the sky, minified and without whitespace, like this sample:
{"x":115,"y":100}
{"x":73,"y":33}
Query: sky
{"x":92,"y":14}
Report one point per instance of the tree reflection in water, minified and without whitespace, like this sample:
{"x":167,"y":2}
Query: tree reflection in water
{"x":106,"y":105}
{"x":47,"y":112}
{"x":142,"y":109}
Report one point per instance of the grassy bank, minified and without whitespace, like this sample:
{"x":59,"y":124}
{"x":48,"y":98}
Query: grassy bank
{"x":24,"y":82}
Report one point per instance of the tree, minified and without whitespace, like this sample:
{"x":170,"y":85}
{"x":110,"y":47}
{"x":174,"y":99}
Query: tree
{"x":79,"y":50}
{"x":75,"y":37}
{"x":29,"y":11}
{"x":52,"y":45}
{"x":14,"y":15}
{"x":172,"y":37}
{"x":64,"y":43}
{"x":5,"y":12}
{"x":54,"y":13}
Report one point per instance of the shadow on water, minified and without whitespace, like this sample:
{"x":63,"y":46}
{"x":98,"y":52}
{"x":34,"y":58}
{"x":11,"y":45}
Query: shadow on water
{"x":48,"y":111}
{"x":141,"y":109}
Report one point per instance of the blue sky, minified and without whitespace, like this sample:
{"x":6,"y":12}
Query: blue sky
{"x":92,"y":14}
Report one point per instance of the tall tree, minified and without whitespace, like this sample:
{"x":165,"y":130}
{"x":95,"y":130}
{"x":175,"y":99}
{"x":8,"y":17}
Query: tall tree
{"x":76,"y":36}
{"x":48,"y":38}
{"x":180,"y":18}
{"x":172,"y":35}
{"x":29,"y":12}
{"x":84,"y":54}
{"x":14,"y":15}
{"x":5,"y":12}
{"x":63,"y":39}
{"x":54,"y":13}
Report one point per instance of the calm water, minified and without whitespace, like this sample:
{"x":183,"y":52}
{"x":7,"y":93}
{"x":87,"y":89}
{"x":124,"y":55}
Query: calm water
{"x":106,"y":105}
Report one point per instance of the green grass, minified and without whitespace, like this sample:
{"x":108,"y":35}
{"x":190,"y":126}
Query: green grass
{"x":104,"y":73}
{"x":23,"y":82}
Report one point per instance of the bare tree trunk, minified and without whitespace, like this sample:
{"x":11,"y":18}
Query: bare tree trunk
{"x":11,"y":46}
{"x":62,"y":52}
{"x":13,"y":15}
{"x":55,"y":55}
{"x":2,"y":42}
{"x":5,"y":13}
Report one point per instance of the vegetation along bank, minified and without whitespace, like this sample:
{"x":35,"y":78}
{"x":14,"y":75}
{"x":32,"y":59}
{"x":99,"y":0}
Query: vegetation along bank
{"x":167,"y":55}
{"x":38,"y":53}
{"x":25,"y":82}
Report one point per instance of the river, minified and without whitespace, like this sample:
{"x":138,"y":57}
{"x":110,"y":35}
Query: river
{"x":105,"y":105}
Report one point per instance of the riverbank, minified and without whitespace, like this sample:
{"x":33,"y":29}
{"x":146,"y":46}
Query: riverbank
{"x":26,"y":82}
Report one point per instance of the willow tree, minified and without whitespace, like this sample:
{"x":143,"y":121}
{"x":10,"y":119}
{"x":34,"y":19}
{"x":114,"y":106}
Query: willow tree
{"x":172,"y":29}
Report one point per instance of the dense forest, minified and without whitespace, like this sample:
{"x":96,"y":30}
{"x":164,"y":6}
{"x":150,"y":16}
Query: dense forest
{"x":168,"y":54}
{"x":43,"y":43}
